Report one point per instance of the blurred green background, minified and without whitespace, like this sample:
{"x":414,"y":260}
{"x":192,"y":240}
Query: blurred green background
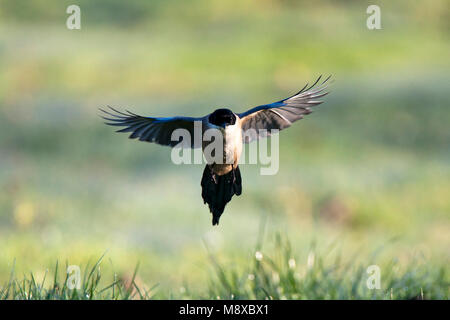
{"x":369,"y":169}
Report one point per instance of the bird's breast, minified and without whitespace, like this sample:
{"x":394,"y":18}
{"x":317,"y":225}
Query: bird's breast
{"x":232,"y":143}
{"x":231,"y":148}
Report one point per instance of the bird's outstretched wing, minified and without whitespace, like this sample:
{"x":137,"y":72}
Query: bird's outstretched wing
{"x":152,"y":129}
{"x":281,"y":114}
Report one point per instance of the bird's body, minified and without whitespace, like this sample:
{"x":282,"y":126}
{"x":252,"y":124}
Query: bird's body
{"x":232,"y":143}
{"x":221,"y":178}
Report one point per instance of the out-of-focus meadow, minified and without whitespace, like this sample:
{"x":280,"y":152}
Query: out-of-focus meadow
{"x":366,"y":177}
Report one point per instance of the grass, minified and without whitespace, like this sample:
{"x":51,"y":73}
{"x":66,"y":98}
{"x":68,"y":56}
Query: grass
{"x":28,"y":288}
{"x":278,"y":275}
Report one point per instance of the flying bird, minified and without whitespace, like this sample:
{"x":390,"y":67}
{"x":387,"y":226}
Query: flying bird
{"x":222,"y":179}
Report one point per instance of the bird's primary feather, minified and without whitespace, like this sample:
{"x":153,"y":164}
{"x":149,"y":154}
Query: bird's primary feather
{"x":257,"y":122}
{"x":152,"y":129}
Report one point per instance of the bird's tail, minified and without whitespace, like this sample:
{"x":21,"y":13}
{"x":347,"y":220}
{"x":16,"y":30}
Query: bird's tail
{"x":217,"y":190}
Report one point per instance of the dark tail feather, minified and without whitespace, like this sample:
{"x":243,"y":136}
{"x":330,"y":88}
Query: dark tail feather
{"x":217,"y":190}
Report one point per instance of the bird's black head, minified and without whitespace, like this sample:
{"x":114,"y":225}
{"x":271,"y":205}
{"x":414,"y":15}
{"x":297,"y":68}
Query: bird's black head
{"x":222,"y":117}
